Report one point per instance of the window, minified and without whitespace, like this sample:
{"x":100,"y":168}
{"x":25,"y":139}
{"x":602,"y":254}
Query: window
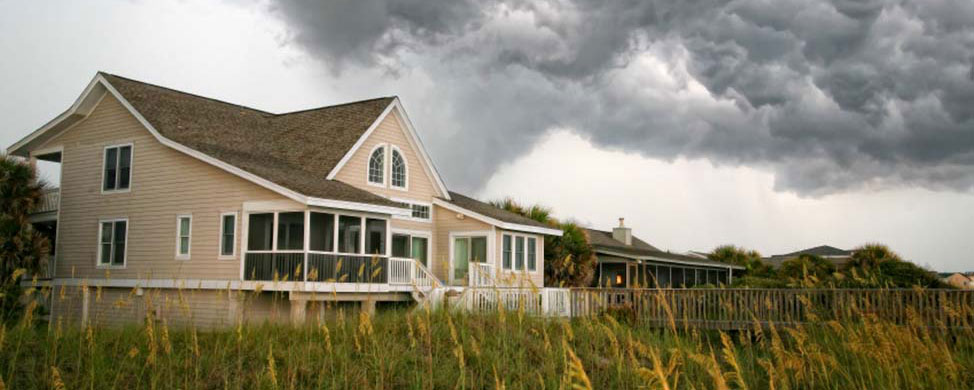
{"x":532,"y":254}
{"x":421,"y":211}
{"x":290,"y":231}
{"x":398,"y":169}
{"x":413,"y":247}
{"x":375,"y":236}
{"x":118,"y":168}
{"x":349,"y":229}
{"x":184,"y":226}
{"x":260,"y":230}
{"x":228,"y":234}
{"x":519,"y":253}
{"x":507,"y":252}
{"x":111,"y":239}
{"x":377,"y":165}
{"x":322,"y":232}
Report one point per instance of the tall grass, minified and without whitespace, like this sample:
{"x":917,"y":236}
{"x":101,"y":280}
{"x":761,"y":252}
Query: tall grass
{"x":427,"y":349}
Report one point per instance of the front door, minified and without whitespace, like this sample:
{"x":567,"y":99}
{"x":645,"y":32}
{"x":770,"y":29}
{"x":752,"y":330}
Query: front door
{"x":466,"y":250}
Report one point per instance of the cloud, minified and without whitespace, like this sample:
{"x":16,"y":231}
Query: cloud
{"x":830,"y":96}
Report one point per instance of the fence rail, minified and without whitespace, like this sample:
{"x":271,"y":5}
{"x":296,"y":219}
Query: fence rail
{"x":315,"y":267}
{"x":741,"y":308}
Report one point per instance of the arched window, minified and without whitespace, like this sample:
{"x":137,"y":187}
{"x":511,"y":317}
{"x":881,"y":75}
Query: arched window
{"x":377,"y":165}
{"x":398,"y":169}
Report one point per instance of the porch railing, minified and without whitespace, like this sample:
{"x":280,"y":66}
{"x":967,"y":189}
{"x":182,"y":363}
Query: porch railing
{"x":315,"y":267}
{"x":49,"y":201}
{"x":481,"y":275}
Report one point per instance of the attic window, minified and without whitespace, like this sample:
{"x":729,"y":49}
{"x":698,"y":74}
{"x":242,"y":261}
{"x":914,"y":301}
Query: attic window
{"x":398,"y":169}
{"x":117,"y":174}
{"x":377,"y":165}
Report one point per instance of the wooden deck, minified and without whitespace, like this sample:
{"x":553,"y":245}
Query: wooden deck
{"x":731,"y":309}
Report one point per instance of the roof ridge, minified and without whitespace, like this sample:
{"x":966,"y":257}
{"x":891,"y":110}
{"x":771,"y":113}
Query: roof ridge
{"x":337,"y":105}
{"x":188,"y":93}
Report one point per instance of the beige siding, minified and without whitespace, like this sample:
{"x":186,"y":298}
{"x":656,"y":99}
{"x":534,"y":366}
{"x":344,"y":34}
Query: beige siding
{"x":535,"y":278}
{"x":165,"y":183}
{"x":389,"y":132}
{"x":446,"y":222}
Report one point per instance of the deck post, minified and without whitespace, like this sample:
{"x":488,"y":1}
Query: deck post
{"x":368,"y":306}
{"x":299,"y":309}
{"x":85,"y":302}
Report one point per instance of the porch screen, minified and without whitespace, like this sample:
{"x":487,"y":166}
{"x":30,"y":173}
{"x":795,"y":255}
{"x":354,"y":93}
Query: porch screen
{"x":260,"y":230}
{"x":349,"y":229}
{"x":375,"y":236}
{"x":322,"y":232}
{"x":290,"y":231}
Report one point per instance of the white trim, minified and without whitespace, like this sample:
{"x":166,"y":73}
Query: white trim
{"x":368,"y":166}
{"x":224,"y":284}
{"x":496,"y":222}
{"x":411,"y":202}
{"x":410,"y":130}
{"x":393,"y":150}
{"x":73,"y":109}
{"x":469,"y":234}
{"x":46,"y":151}
{"x":118,"y":159}
{"x":125,"y":253}
{"x":236,"y":235}
{"x":179,"y":237}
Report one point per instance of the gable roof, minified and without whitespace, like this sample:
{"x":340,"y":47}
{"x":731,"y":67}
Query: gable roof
{"x":291,"y":153}
{"x":494,"y":215}
{"x":602,"y":242}
{"x":821,"y":250}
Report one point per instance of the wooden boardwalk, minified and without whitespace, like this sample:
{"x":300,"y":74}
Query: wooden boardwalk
{"x":731,"y":309}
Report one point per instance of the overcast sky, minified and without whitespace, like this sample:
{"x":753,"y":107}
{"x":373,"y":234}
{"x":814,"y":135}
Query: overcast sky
{"x":772,"y":124}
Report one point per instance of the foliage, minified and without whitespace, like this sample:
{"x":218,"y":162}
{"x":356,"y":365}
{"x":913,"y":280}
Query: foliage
{"x":424,"y":349}
{"x":807,"y":270}
{"x":23,"y":250}
{"x":749,"y":259}
{"x":568,"y":260}
{"x":759,"y":282}
{"x":876,"y":265}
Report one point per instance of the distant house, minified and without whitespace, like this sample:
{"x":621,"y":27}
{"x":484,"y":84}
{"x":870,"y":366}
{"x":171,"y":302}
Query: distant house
{"x":625,"y":261}
{"x":959,"y":280}
{"x":838,"y":257}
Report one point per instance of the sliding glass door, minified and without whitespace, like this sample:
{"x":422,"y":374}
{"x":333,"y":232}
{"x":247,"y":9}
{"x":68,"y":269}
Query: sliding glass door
{"x":408,"y":246}
{"x":466,"y":250}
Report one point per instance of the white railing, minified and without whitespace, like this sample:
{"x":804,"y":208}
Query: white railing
{"x":401,"y":271}
{"x":423,"y":278}
{"x":481,"y":275}
{"x":549,"y":302}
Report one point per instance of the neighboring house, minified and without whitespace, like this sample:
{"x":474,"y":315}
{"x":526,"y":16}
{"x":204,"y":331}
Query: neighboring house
{"x":625,"y":261}
{"x":162,"y":189}
{"x":959,"y":280}
{"x":836,"y":256}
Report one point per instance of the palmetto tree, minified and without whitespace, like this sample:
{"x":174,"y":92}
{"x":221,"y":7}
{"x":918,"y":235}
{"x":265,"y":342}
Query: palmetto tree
{"x":21,"y":247}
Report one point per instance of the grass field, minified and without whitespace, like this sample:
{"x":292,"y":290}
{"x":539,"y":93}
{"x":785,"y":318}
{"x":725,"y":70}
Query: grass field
{"x":443,"y":350}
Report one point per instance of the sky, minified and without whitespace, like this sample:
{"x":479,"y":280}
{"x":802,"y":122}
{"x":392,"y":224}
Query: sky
{"x":775,"y":125}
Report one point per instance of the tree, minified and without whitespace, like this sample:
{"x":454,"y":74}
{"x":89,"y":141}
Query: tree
{"x":749,"y":259}
{"x":876,"y":265}
{"x":805,"y":266}
{"x":568,"y":260}
{"x":23,"y":250}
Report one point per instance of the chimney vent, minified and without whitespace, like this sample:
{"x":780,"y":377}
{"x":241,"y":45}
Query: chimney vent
{"x":622,"y":233}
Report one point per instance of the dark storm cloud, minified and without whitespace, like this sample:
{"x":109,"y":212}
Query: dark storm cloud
{"x":831,"y":95}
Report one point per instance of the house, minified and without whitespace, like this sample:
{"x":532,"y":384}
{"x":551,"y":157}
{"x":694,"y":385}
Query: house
{"x":836,"y":256}
{"x":959,"y":280}
{"x":163,"y":190}
{"x":625,"y":261}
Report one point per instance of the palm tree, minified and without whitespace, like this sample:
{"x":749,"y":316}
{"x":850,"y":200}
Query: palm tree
{"x":21,"y":247}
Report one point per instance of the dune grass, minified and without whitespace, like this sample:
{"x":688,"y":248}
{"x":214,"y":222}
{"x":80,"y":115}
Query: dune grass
{"x":425,"y":349}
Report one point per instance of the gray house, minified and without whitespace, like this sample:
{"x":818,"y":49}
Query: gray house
{"x":625,"y":261}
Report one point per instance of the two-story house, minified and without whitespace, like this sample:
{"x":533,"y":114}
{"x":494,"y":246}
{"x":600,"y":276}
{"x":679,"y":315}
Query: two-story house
{"x":164,"y":191}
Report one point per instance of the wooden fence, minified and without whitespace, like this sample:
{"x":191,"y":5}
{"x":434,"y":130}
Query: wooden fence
{"x":743,"y":308}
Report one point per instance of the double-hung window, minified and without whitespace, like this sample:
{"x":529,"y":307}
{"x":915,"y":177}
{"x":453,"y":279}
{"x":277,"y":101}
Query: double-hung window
{"x":377,"y":166}
{"x":532,"y":254}
{"x":228,"y":234}
{"x":184,"y":230}
{"x":112,"y":236}
{"x":117,"y":175}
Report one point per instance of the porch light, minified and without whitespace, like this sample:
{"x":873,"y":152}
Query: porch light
{"x":618,"y":279}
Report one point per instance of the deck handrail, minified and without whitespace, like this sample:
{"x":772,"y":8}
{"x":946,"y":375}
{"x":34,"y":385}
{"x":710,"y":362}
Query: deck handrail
{"x":49,"y":201}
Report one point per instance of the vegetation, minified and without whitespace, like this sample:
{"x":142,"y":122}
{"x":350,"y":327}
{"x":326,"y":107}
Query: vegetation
{"x":23,"y":250}
{"x":425,"y":349}
{"x":568,"y":260}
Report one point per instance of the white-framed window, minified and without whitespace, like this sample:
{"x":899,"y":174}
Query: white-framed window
{"x":399,"y":175}
{"x":519,"y":252}
{"x":117,"y":168}
{"x":184,"y":231}
{"x":228,"y":235}
{"x":377,"y":165}
{"x":284,"y":231}
{"x":411,"y":246}
{"x":421,"y":211}
{"x":112,"y":242}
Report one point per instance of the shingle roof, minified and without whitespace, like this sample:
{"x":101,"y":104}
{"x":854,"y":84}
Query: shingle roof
{"x":294,"y":150}
{"x":489,"y":210}
{"x":603,"y":240}
{"x":821,"y":250}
